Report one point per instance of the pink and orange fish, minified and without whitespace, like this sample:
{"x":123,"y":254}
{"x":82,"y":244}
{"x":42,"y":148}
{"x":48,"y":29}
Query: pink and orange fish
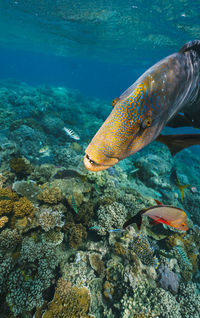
{"x":164,"y":214}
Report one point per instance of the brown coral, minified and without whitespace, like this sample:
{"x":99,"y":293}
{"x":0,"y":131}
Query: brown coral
{"x":119,"y":249}
{"x":23,"y":207}
{"x":7,"y":198}
{"x":75,"y":234}
{"x":51,"y":195}
{"x":73,"y":303}
{"x":20,"y":166}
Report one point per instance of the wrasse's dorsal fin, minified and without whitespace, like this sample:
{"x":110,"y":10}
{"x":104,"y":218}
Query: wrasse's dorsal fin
{"x":176,"y":143}
{"x":192,"y":45}
{"x":115,"y":101}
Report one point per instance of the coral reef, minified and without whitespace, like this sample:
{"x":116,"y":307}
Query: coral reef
{"x":63,"y":249}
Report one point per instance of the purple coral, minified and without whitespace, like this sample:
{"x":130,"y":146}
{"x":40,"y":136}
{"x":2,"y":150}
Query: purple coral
{"x":168,"y":279}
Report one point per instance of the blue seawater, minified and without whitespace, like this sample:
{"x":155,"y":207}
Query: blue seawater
{"x":63,"y":249}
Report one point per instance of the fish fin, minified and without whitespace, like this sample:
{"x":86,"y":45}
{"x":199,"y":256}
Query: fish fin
{"x":135,"y":219}
{"x":192,"y":45}
{"x":182,"y":188}
{"x":176,"y":143}
{"x":158,"y":202}
{"x":154,"y":222}
{"x":115,"y":101}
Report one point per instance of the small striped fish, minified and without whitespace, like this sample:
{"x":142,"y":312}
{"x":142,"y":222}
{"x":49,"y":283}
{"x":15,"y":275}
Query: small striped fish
{"x":71,"y":133}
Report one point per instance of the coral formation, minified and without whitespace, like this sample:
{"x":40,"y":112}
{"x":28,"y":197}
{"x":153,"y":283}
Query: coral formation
{"x":51,"y":195}
{"x":48,"y":219}
{"x":7,"y":199}
{"x":3,"y":221}
{"x":23,"y":207}
{"x":71,"y":302}
{"x":96,"y":263}
{"x":168,"y":279}
{"x":53,"y":237}
{"x":141,"y":247}
{"x":20,"y":166}
{"x":75,"y":234}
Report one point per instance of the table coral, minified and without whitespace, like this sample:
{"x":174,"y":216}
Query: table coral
{"x":51,"y":195}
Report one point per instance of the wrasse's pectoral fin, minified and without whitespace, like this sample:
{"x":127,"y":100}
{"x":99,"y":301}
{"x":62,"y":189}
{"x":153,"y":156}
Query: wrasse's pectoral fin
{"x":176,"y":143}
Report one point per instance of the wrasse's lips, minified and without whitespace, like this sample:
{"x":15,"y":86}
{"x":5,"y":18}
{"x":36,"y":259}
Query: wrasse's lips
{"x":92,"y":165}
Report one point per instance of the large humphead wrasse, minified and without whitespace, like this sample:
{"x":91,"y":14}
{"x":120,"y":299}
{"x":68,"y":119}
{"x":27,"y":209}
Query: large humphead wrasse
{"x":141,"y":112}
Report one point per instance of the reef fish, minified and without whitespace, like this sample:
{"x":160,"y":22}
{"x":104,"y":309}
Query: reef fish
{"x":141,"y":112}
{"x":165,"y":214}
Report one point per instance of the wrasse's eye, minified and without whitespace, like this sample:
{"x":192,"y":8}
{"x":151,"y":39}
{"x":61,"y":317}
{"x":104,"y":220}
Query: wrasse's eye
{"x":147,"y":122}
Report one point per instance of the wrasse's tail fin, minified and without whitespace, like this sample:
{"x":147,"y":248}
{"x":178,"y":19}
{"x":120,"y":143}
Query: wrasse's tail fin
{"x":176,"y":143}
{"x":192,"y":45}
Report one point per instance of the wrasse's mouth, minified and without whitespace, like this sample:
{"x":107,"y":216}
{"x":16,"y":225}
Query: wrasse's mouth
{"x":94,"y":166}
